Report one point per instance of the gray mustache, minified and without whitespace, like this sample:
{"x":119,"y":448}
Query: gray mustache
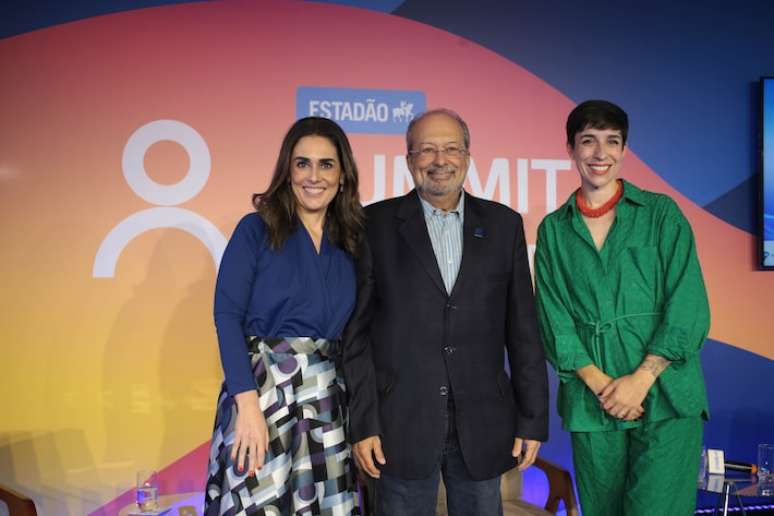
{"x":445,"y":168}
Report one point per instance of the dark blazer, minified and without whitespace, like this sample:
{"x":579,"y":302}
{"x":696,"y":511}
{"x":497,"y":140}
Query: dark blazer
{"x":409,"y":343}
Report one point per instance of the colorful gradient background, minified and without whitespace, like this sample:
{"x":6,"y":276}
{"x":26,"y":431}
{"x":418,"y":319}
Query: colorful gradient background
{"x":101,"y":377}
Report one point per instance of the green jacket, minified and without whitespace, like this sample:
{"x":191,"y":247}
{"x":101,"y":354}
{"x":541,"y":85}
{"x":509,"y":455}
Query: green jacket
{"x":642,"y":293}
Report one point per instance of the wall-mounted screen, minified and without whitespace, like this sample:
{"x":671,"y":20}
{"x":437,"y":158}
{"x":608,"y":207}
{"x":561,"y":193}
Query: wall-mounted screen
{"x":767,"y":173}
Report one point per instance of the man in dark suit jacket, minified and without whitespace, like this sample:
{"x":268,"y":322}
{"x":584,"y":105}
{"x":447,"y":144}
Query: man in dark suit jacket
{"x":444,"y":289}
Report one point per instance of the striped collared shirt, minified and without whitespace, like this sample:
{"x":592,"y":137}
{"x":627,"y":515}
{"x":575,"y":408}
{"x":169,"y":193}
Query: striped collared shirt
{"x":445,"y":230}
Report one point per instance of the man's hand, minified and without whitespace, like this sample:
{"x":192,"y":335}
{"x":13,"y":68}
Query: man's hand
{"x":527,"y":449}
{"x":623,"y":397}
{"x":365,"y":452}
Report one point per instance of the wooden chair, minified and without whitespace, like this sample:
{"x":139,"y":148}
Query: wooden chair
{"x":560,"y":489}
{"x":18,"y":504}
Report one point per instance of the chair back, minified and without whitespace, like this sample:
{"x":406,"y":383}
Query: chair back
{"x":510,"y":485}
{"x":18,"y":504}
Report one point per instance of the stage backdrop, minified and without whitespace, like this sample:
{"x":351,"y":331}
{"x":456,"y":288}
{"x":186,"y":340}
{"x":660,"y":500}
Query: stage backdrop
{"x":130,"y":146}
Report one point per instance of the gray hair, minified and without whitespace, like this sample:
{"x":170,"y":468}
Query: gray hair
{"x":438,"y":111}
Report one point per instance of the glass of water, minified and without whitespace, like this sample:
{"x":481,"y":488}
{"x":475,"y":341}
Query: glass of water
{"x":766,"y":462}
{"x":702,"y":465}
{"x":147,"y":490}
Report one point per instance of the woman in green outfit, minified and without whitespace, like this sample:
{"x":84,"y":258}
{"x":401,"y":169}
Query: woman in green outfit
{"x":623,"y":312}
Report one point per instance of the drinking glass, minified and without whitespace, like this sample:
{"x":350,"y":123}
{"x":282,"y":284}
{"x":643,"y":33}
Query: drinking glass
{"x":702,"y":465}
{"x":147,"y":490}
{"x":766,"y":462}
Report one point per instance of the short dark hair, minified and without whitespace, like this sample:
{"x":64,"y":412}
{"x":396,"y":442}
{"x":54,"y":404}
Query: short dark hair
{"x":277,"y":205}
{"x":438,"y":111}
{"x":597,"y":114}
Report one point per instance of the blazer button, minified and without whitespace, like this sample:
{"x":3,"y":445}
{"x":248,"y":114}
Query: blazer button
{"x":448,"y":350}
{"x":444,"y":390}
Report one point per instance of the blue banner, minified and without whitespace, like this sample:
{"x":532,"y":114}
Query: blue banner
{"x":362,"y":110}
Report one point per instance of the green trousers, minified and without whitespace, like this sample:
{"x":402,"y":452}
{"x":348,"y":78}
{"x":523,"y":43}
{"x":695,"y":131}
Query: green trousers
{"x":650,"y":470}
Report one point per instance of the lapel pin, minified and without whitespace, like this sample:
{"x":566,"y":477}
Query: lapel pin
{"x":479,"y":233}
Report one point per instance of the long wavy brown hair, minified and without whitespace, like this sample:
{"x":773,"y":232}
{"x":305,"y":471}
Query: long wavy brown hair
{"x":277,"y":205}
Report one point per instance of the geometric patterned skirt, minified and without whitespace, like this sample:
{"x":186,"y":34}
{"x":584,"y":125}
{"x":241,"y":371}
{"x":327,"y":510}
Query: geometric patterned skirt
{"x":307,"y":470}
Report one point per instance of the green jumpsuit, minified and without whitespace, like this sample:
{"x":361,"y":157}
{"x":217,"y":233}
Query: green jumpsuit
{"x":642,"y":293}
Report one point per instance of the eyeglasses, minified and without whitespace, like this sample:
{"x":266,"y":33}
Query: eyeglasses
{"x":428,"y":153}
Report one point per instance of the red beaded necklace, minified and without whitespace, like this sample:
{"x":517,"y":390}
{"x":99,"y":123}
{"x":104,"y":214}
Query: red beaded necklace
{"x":594,"y":213}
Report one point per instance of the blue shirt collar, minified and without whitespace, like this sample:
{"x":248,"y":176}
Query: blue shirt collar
{"x":430,"y":210}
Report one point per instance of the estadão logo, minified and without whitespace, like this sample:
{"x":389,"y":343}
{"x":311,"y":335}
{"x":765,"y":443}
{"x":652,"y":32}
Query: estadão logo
{"x":362,"y":110}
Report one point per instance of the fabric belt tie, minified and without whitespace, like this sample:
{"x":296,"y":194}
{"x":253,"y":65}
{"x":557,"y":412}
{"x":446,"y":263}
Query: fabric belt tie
{"x":601,"y":327}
